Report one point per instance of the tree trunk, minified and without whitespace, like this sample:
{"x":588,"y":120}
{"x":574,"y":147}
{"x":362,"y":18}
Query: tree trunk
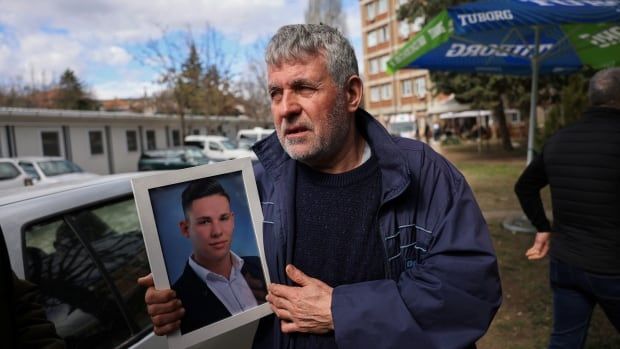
{"x":500,"y":117}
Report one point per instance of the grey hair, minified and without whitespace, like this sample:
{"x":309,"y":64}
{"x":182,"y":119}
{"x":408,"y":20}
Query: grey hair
{"x":293,"y":43}
{"x":604,"y":88}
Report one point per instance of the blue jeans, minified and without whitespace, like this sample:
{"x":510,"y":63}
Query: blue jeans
{"x":575,"y":293}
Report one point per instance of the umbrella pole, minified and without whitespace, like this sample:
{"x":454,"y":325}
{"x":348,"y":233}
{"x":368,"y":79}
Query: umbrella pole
{"x":534,"y":97}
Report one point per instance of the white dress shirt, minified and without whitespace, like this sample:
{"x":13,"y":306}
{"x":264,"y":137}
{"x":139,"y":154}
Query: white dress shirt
{"x":234,"y":292}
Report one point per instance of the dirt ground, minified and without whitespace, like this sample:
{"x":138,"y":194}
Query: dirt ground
{"x":524,"y":319}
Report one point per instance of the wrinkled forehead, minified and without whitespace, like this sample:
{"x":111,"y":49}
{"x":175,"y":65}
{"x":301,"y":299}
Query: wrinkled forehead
{"x":309,"y":67}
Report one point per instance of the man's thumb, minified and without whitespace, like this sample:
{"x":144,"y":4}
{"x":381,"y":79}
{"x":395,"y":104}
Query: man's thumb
{"x":297,"y":275}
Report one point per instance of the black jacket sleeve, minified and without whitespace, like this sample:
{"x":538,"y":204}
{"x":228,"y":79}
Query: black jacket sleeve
{"x":33,"y":330}
{"x":528,"y":187}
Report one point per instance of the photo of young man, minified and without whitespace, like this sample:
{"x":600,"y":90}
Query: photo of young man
{"x":216,"y":283}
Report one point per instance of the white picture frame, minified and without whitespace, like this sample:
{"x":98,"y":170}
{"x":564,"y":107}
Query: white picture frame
{"x":154,"y":197}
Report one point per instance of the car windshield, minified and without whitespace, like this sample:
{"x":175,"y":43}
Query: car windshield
{"x":30,"y":170}
{"x":194,"y":153}
{"x":228,"y":145}
{"x":58,"y":167}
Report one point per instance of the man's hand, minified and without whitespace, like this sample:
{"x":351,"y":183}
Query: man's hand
{"x":540,"y":247}
{"x":164,"y":308}
{"x":306,"y":308}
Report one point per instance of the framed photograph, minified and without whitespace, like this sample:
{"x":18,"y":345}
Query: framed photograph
{"x":202,"y":228}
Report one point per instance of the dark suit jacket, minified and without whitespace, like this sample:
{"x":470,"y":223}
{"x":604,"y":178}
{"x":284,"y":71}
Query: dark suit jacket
{"x":22,"y":319}
{"x":202,"y":307}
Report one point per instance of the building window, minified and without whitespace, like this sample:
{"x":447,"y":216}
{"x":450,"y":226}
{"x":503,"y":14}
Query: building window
{"x":386,"y":92}
{"x":375,"y":94}
{"x":371,"y":10}
{"x":378,"y":36}
{"x":407,"y":88}
{"x":132,"y":140}
{"x":150,"y":140}
{"x":420,"y":87}
{"x":383,"y":6}
{"x":176,"y":138}
{"x":51,"y":143}
{"x":373,"y":66}
{"x":371,"y":38}
{"x":96,"y":142}
{"x":383,"y":64}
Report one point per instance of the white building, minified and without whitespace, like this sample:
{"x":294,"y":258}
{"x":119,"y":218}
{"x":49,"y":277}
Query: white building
{"x":101,"y":142}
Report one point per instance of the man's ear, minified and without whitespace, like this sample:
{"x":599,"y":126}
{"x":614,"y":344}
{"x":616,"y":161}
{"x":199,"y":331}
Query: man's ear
{"x":354,"y":89}
{"x":184,"y":227}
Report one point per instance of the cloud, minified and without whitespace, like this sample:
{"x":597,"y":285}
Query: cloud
{"x":111,"y":55}
{"x":50,"y":36}
{"x":125,"y":89}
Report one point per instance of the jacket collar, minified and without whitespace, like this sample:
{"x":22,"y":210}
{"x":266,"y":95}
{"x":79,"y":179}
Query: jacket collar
{"x":602,"y":112}
{"x":395,"y":175}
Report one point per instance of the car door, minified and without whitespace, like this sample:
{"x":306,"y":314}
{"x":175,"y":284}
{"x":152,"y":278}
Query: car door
{"x":86,"y":262}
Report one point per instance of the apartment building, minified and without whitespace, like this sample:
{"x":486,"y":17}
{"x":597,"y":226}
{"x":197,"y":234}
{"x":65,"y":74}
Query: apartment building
{"x":399,"y":101}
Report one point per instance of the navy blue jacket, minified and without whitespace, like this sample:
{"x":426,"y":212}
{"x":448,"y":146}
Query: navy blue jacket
{"x":441,"y":288}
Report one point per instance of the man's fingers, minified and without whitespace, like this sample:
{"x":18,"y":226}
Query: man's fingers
{"x":164,"y":308}
{"x":297,"y":276}
{"x":166,"y":329}
{"x":166,"y":319}
{"x":153,"y":296}
{"x":289,"y":327}
{"x":279,"y":302}
{"x":146,"y":281}
{"x":281,"y":313}
{"x":280,"y":290}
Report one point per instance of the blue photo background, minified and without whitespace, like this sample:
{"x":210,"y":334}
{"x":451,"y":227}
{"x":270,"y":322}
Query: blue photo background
{"x":168,"y":212}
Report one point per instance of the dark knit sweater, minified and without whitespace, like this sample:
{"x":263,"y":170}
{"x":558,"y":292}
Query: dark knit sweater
{"x":337,"y":238}
{"x":581,"y":164}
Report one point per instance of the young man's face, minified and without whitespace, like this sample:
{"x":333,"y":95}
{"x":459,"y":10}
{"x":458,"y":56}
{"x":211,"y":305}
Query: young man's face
{"x":309,"y":110}
{"x":209,"y":226}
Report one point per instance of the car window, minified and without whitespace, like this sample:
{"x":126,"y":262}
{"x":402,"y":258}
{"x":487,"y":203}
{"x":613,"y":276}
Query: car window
{"x":28,"y":167}
{"x":58,"y":167}
{"x":198,"y":144}
{"x":8,"y":171}
{"x":194,"y":153}
{"x":86,"y":264}
{"x":214,"y":146}
{"x":228,"y":145}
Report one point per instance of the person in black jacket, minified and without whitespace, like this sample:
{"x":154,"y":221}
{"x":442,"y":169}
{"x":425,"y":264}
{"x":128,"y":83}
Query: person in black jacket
{"x":581,"y":165}
{"x":22,"y":320}
{"x":216,"y":283}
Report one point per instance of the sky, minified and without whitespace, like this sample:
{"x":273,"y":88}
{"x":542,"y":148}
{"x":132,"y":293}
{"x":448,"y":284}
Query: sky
{"x":101,"y":39}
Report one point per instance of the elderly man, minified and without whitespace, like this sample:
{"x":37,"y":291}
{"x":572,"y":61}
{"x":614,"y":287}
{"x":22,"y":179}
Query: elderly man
{"x":371,"y":241}
{"x":581,"y":165}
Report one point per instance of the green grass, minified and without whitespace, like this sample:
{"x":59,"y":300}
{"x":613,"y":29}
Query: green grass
{"x":524,"y":320}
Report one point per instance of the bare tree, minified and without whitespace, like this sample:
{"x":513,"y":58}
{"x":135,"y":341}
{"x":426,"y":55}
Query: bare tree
{"x":253,"y":85}
{"x":195,"y":72}
{"x":328,"y":12}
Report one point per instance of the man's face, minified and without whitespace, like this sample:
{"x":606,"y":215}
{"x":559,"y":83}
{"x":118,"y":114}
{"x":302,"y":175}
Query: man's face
{"x":209,"y":226}
{"x":309,"y":110}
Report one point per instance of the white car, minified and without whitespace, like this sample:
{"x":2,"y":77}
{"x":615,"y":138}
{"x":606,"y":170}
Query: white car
{"x":217,"y":148}
{"x":46,"y":170}
{"x":12,"y":176}
{"x":81,"y":243}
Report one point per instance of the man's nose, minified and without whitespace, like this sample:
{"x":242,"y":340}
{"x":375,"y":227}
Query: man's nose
{"x":216,"y":229}
{"x":290,"y":104}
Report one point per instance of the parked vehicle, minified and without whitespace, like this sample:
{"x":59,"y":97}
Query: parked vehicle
{"x":82,"y":244}
{"x":46,"y":170}
{"x":217,"y":148}
{"x":11,"y":175}
{"x":172,"y":158}
{"x":246,"y":138}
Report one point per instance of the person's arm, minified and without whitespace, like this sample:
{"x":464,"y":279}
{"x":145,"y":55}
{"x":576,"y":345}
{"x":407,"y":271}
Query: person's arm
{"x":528,"y":187}
{"x":33,"y":329}
{"x":446,"y":301}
